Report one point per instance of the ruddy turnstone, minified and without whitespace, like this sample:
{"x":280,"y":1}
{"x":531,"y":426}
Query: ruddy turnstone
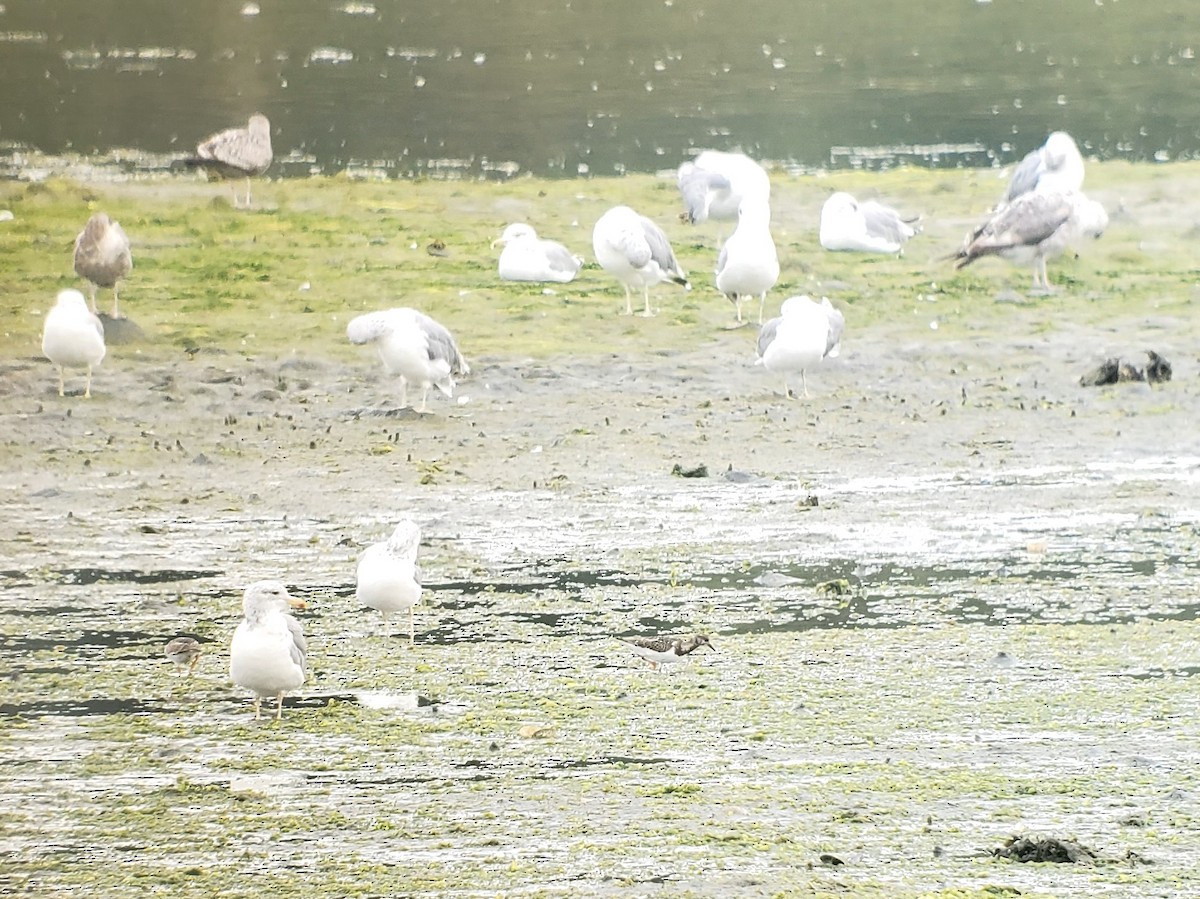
{"x":666,"y":650}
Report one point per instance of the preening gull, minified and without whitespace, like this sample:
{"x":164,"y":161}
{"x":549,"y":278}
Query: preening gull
{"x":666,"y":650}
{"x":1054,"y":166}
{"x":268,"y":651}
{"x":526,"y":257}
{"x":102,"y":256}
{"x":1034,"y":227}
{"x":184,"y":653}
{"x":636,"y":252}
{"x":804,"y":333}
{"x":748,"y":264}
{"x":413,"y":346}
{"x":235,"y":152}
{"x":387,"y":579}
{"x":715,"y":184}
{"x":73,"y":337}
{"x":868,"y":227}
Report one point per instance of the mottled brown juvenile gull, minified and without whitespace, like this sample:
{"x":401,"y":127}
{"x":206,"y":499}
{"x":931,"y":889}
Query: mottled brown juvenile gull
{"x":268,"y":650}
{"x":869,"y":227}
{"x":636,"y":252}
{"x":414,"y":346}
{"x":387,"y":578}
{"x":102,"y":256}
{"x":748,"y":264}
{"x":715,"y":183}
{"x":1054,"y":166}
{"x":237,"y":152}
{"x":804,"y":333}
{"x":527,"y":257}
{"x":1034,"y":227}
{"x":73,"y":337}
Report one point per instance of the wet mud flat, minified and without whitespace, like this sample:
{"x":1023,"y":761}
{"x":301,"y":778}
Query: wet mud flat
{"x":952,"y":597}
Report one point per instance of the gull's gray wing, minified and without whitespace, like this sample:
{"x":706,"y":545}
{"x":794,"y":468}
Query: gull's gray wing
{"x":560,"y":258}
{"x":442,"y":345}
{"x":886,"y":222}
{"x":837,"y":324}
{"x":766,"y":335}
{"x":1025,"y":176}
{"x":660,"y":247}
{"x":695,"y":184}
{"x":299,"y":647}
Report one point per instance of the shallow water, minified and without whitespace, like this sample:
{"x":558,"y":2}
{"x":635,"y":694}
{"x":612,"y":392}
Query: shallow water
{"x":475,"y":87}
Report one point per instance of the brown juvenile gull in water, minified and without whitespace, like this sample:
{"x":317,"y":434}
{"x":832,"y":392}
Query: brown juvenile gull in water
{"x":73,"y":337}
{"x":666,"y":650}
{"x":1033,"y":228}
{"x":236,"y":152}
{"x":102,"y":256}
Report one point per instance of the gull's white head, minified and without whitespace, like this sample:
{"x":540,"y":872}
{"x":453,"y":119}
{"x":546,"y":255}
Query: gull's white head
{"x":72,"y":299}
{"x":515,"y":231}
{"x":405,"y":539}
{"x":268,"y":596}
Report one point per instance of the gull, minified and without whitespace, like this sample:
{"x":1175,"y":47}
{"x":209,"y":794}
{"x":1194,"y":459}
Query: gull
{"x":804,"y":333}
{"x":102,"y":256}
{"x":748,"y":264}
{"x":635,"y":251}
{"x":1054,"y":166}
{"x":235,"y":152}
{"x":666,"y":650}
{"x":1034,"y":227}
{"x":526,"y":257}
{"x":185,"y":653}
{"x":868,"y":227}
{"x":715,"y":184}
{"x":268,"y":649}
{"x":73,"y":337}
{"x":387,"y":579}
{"x":413,"y":346}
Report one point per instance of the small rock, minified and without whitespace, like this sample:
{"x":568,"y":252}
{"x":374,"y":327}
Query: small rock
{"x":1047,"y":849}
{"x":536,"y":731}
{"x":698,"y":471}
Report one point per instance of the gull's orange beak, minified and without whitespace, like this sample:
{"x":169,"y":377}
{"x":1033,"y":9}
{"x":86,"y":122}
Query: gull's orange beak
{"x":296,"y":602}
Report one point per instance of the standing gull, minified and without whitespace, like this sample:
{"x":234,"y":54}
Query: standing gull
{"x":1033,"y":228}
{"x":73,"y":337}
{"x":102,"y":256}
{"x":268,"y":650}
{"x":413,"y":346}
{"x":715,"y":184}
{"x":236,"y":152}
{"x":868,"y":227}
{"x":635,"y":251}
{"x":666,"y":650}
{"x":526,"y":257}
{"x":804,"y":333}
{"x":388,"y":579}
{"x":748,"y":264}
{"x":1054,"y":166}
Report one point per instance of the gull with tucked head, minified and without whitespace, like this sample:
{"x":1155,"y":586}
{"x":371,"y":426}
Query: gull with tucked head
{"x":527,"y":257}
{"x":413,"y":346}
{"x":73,"y":337}
{"x":388,"y":579}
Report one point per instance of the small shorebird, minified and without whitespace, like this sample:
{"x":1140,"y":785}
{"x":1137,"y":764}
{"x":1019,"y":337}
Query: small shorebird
{"x":184,"y":653}
{"x":102,"y":256}
{"x":268,"y":650}
{"x":236,"y":152}
{"x":387,"y":579}
{"x":666,"y":650}
{"x":636,"y":252}
{"x":414,"y":346}
{"x":73,"y":337}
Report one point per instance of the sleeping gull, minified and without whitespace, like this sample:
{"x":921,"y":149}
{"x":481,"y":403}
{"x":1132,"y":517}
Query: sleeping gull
{"x":715,"y":184}
{"x":1034,"y":227}
{"x":413,"y":346}
{"x":804,"y":333}
{"x":635,"y":251}
{"x":387,"y":579}
{"x":268,"y":649}
{"x":236,"y":152}
{"x":1054,"y":166}
{"x":748,"y":264}
{"x":526,"y":257}
{"x":73,"y":337}
{"x":102,"y":256}
{"x":666,"y":650}
{"x":868,"y":227}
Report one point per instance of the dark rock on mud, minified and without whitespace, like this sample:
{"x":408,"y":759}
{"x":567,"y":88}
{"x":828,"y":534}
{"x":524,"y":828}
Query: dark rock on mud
{"x":1046,"y":849}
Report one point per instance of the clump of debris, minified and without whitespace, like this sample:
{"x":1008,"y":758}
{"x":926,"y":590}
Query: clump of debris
{"x":1114,"y":370}
{"x":1047,"y":849}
